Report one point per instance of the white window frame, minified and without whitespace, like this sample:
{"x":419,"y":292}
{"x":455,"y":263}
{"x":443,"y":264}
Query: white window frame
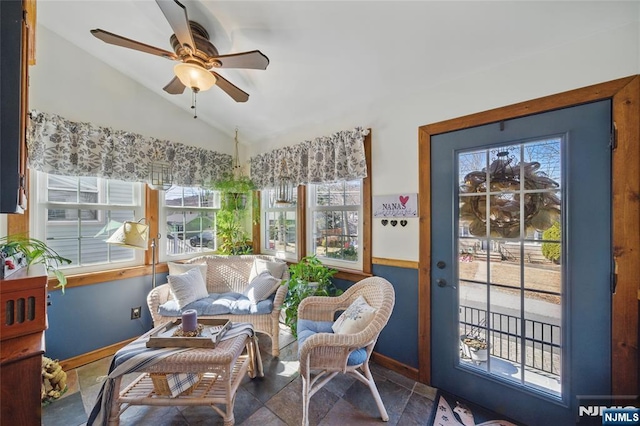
{"x":312,"y":207}
{"x":265,"y":210}
{"x":101,"y":198}
{"x":39,"y":217}
{"x":163,"y":209}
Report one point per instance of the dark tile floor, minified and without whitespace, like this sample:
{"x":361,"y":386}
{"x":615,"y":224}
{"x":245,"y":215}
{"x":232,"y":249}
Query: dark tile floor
{"x":272,"y":400}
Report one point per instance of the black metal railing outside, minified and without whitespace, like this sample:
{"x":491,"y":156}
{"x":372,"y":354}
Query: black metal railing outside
{"x":542,"y":340}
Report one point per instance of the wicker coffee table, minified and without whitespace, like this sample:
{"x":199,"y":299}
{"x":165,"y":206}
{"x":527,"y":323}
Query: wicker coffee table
{"x":222,"y":369}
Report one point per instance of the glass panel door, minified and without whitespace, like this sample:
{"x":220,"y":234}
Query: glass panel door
{"x":521,"y":262}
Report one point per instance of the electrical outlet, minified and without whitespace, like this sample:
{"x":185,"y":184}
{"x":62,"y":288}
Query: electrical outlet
{"x":135,"y":312}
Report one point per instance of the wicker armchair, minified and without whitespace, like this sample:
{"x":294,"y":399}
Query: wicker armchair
{"x":326,"y":354}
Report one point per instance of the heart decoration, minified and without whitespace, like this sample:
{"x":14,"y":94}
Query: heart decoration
{"x":404,"y":199}
{"x":403,"y":222}
{"x":394,"y":222}
{"x":384,"y":222}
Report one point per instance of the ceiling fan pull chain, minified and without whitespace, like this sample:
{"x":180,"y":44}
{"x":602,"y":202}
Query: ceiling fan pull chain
{"x":193,"y":103}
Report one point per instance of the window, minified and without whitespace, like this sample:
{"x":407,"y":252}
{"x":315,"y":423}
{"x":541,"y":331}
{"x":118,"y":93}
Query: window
{"x":279,"y":226}
{"x":334,"y":225}
{"x":75,"y":216}
{"x":190,"y":217}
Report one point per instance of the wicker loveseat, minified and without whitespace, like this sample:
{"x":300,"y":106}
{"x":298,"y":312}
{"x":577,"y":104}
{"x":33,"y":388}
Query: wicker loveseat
{"x":226,"y":278}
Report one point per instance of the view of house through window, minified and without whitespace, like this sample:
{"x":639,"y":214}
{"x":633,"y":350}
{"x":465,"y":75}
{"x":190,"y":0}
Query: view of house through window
{"x":77,"y":215}
{"x":334,"y":223}
{"x":190,"y":217}
{"x":279,"y":225}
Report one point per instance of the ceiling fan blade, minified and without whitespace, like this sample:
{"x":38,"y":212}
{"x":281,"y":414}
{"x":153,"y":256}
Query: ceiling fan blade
{"x":232,"y":90}
{"x":176,"y":14}
{"x":175,"y":87}
{"x":117,"y":40}
{"x":254,"y":59}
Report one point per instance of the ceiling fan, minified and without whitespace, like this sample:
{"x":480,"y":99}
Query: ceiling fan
{"x":196,"y":54}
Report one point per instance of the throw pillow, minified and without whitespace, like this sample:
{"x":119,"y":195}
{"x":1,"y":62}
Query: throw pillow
{"x":181,"y":268}
{"x":261,"y":287}
{"x":188,"y":287}
{"x":355,"y":319}
{"x":276,"y":269}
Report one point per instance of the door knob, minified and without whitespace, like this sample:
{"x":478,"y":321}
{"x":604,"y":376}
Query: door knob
{"x":443,"y":283}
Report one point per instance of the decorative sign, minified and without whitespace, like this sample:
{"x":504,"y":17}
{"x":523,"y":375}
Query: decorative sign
{"x":400,"y":205}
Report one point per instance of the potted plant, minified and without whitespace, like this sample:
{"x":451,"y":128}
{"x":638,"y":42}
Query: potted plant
{"x":308,"y":277}
{"x":474,"y":345}
{"x":33,"y":251}
{"x":233,"y":239}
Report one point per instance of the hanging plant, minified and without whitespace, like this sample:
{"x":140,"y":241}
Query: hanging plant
{"x":541,"y":209}
{"x":234,"y":186}
{"x":234,"y":190}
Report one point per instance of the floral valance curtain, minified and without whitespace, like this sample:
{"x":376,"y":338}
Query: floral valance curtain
{"x":324,"y":159}
{"x":63,"y":147}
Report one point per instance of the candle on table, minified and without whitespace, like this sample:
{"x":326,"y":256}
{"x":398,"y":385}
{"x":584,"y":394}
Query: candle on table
{"x":189,"y":320}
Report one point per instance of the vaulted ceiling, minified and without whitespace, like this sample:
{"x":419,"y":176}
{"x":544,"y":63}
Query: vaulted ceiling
{"x":329,"y":58}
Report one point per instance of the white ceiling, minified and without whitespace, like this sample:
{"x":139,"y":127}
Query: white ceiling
{"x":330,"y":57}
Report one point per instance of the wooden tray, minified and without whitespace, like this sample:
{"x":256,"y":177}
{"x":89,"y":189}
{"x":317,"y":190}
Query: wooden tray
{"x":213,"y":330}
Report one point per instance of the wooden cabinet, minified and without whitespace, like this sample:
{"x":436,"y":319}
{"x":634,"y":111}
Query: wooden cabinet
{"x":17,"y":36}
{"x":23,"y":302}
{"x":24,"y":298}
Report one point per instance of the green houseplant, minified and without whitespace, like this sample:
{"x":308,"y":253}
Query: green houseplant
{"x":234,"y":189}
{"x":232,"y":236}
{"x":308,"y":277}
{"x":35,"y":252}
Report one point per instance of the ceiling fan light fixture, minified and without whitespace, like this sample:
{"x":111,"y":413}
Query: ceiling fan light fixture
{"x":194,"y":76}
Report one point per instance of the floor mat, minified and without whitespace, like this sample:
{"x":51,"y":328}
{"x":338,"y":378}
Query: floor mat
{"x":454,"y":411}
{"x":67,"y":411}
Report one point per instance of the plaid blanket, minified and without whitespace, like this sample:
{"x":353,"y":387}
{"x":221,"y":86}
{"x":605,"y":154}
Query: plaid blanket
{"x":135,"y":357}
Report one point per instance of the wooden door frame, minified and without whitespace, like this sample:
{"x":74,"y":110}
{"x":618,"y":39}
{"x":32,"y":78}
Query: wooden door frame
{"x":625,"y":96}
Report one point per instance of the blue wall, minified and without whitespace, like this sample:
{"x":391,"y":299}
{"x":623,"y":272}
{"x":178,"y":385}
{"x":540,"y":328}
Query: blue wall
{"x":399,"y":339}
{"x":91,"y":317}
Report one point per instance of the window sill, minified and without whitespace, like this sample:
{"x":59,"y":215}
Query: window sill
{"x":351,"y":274}
{"x":91,"y":278}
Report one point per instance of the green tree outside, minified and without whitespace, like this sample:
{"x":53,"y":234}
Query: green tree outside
{"x":552,"y":251}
